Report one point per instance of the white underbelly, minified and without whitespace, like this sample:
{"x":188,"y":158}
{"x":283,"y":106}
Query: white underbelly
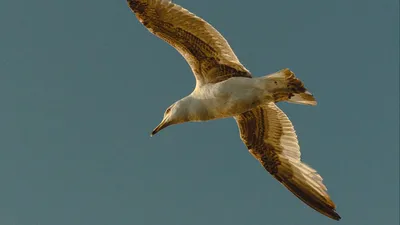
{"x":231,"y":97}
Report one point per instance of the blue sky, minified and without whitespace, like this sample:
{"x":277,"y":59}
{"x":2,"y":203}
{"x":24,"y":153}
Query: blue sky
{"x":83,"y":83}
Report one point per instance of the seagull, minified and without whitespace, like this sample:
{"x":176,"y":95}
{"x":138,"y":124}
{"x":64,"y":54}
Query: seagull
{"x":225,"y":88}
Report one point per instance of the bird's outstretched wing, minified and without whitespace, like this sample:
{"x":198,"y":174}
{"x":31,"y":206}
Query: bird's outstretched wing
{"x":204,"y":48}
{"x":271,"y":139}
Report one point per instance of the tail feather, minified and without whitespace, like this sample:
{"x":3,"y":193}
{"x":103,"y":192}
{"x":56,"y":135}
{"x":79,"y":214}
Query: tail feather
{"x":305,"y":98}
{"x":286,"y":86}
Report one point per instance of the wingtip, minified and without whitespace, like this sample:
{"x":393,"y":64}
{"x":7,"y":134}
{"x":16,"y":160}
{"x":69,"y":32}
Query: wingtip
{"x":331,"y":213}
{"x":320,"y":203}
{"x":335,"y":216}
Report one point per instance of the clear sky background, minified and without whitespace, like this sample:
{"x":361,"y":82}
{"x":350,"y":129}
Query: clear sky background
{"x":83,"y":83}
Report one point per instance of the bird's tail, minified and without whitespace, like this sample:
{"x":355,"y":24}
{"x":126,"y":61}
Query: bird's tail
{"x":285,"y":86}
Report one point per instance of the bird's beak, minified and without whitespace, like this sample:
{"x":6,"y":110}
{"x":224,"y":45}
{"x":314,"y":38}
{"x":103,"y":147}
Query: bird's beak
{"x":160,"y":126}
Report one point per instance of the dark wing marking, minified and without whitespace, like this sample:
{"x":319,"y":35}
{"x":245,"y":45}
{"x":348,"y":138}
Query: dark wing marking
{"x":271,"y":139}
{"x":204,"y":48}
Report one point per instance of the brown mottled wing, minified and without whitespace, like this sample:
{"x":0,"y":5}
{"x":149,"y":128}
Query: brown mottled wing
{"x":204,"y":48}
{"x":270,"y":137}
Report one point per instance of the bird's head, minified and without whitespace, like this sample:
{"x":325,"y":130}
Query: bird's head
{"x":175,"y":114}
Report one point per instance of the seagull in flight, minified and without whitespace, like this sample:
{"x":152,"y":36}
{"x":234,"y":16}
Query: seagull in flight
{"x":225,"y":88}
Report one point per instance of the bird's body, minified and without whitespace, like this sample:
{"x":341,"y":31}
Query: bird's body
{"x":233,"y":96}
{"x":225,"y":88}
{"x":228,"y":98}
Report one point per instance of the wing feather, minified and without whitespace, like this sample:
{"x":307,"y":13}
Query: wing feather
{"x":204,"y":48}
{"x":270,"y":137}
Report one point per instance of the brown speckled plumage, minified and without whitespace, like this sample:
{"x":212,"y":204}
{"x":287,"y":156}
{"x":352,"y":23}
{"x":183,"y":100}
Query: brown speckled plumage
{"x":204,"y":48}
{"x":271,"y":139}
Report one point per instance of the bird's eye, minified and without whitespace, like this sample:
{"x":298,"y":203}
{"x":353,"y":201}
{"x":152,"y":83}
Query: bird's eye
{"x":168,"y":110}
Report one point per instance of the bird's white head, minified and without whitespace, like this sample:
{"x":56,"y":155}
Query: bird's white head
{"x":175,"y":114}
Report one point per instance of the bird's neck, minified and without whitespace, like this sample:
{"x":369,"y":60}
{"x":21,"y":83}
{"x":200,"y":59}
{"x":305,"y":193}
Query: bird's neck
{"x":195,"y":109}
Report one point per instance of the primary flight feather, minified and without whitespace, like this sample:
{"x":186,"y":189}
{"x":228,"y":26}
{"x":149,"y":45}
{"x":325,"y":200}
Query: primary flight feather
{"x":225,"y":88}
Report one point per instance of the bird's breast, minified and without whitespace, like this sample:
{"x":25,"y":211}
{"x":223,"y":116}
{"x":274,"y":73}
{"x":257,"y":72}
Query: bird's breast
{"x":228,"y":98}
